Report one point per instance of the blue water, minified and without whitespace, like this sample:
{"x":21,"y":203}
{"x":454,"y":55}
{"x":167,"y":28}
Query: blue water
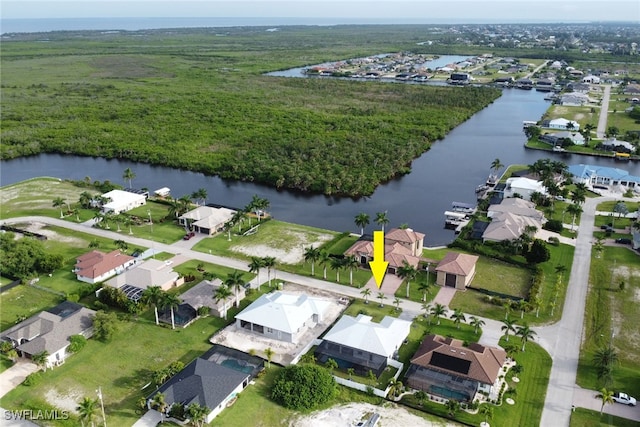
{"x":441,"y":391}
{"x":236,"y":366}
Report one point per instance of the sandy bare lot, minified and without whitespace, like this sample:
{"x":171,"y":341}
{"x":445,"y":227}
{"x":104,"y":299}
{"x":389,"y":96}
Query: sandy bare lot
{"x":291,"y":254}
{"x":284,"y":352}
{"x":67,"y":400}
{"x":351,"y":414}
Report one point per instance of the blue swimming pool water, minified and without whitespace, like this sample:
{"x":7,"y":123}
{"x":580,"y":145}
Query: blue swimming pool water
{"x":233,"y":364}
{"x":450,"y":394}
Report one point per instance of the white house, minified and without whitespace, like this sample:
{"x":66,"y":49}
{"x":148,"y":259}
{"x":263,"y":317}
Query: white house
{"x":122,"y":201}
{"x":524,"y":187}
{"x":206,"y":219}
{"x":50,"y":331}
{"x":563,"y":124}
{"x":591,"y":79}
{"x":282,"y":316}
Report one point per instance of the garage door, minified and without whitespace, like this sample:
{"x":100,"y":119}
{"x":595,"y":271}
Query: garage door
{"x":450,"y":280}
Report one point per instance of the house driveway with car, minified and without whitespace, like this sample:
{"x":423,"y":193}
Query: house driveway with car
{"x":589,"y":399}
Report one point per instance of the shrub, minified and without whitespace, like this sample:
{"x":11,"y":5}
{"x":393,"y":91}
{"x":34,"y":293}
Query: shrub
{"x":554,"y":225}
{"x":77,"y":343}
{"x":554,"y":241}
{"x":301,"y":387}
{"x":32,"y":379}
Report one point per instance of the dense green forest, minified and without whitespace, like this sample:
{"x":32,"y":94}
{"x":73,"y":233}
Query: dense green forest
{"x":199,"y":100}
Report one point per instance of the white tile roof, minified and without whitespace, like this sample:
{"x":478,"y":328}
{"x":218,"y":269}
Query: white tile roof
{"x":360,"y":332}
{"x":284,"y":312}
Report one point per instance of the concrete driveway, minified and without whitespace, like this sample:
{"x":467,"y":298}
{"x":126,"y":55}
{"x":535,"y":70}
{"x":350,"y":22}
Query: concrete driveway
{"x":13,"y":377}
{"x":584,"y":398}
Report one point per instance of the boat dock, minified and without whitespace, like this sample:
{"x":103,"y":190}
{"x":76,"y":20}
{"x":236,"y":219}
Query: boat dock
{"x":458,"y":216}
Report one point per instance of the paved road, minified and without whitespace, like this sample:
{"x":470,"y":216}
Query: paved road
{"x":604,"y":111}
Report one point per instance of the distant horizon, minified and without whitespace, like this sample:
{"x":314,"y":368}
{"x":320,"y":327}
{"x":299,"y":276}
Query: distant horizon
{"x":132,"y":23}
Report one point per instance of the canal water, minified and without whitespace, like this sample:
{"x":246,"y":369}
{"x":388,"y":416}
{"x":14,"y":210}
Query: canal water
{"x":448,"y":172}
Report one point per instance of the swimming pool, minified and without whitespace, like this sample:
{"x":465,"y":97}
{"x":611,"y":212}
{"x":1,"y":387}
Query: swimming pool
{"x":236,"y":366}
{"x":449,"y":394}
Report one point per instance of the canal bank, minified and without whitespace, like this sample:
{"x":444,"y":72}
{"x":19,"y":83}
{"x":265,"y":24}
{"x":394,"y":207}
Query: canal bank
{"x":448,"y":172}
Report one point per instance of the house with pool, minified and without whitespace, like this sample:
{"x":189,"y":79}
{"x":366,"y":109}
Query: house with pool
{"x":445,"y":368}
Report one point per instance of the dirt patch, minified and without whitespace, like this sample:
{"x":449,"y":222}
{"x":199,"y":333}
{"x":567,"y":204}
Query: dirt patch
{"x":578,"y":116}
{"x":284,"y":352}
{"x":292,"y":254}
{"x":349,"y":415}
{"x":67,"y":400}
{"x":41,"y":228}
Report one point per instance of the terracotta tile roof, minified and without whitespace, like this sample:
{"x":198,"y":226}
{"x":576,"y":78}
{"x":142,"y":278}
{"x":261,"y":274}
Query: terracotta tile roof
{"x":477,"y":362}
{"x":457,"y":263}
{"x":95,"y":263}
{"x":405,"y":235}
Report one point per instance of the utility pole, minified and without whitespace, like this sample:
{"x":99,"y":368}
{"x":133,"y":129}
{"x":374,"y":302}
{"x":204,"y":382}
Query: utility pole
{"x":104,"y":418}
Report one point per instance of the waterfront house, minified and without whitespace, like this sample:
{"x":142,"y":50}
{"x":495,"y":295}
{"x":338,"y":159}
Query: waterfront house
{"x":444,"y":367}
{"x":206,"y":219}
{"x":151,"y":272}
{"x":510,"y":218}
{"x":525,"y":187}
{"x":456,"y":270}
{"x":50,"y":331}
{"x":614,"y":144}
{"x":123,"y":201}
{"x":96,"y":266}
{"x":400,"y":246}
{"x":282,"y":316}
{"x":561,"y":124}
{"x":601,"y":176}
{"x":557,"y":138}
{"x":361,"y":344}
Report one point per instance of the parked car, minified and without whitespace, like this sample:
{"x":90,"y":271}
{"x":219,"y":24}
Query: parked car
{"x":624,"y":398}
{"x":189,"y":235}
{"x":136,"y":254}
{"x":623,"y":241}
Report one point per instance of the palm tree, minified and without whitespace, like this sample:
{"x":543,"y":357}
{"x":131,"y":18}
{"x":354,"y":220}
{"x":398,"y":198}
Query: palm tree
{"x":496,"y":165}
{"x":337,"y":264}
{"x":235,"y":281}
{"x":407,"y":272}
{"x":509,"y":326}
{"x":395,"y":387}
{"x":487,"y":411}
{"x":382,"y":219}
{"x":381,"y":297}
{"x":476,"y":323}
{"x":351,"y":262}
{"x":170,"y":301}
{"x":323,"y":260}
{"x":362,"y":220}
{"x":40,"y":359}
{"x":604,"y":359}
{"x":425,"y":288}
{"x":397,"y":302}
{"x":152,"y":295}
{"x":197,"y":413}
{"x":269,"y":262}
{"x":160,"y":403}
{"x":58,"y":202}
{"x":621,"y":209}
{"x":128,"y":175}
{"x":458,"y":316}
{"x":255,"y":266}
{"x":331,"y":364}
{"x":453,"y":406}
{"x":269,"y":353}
{"x":437,"y":311}
{"x":525,"y":333}
{"x":87,"y":410}
{"x":522,"y":306}
{"x":312,"y":255}
{"x":200,"y":195}
{"x":366,"y":292}
{"x":574,"y":210}
{"x":85,"y":199}
{"x":222,"y":293}
{"x":238,"y":218}
{"x":606,"y":396}
{"x":350,"y":372}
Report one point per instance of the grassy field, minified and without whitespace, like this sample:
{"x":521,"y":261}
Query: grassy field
{"x":474,"y":302}
{"x":610,"y":310}
{"x":24,"y":301}
{"x":586,"y":418}
{"x":35,"y":197}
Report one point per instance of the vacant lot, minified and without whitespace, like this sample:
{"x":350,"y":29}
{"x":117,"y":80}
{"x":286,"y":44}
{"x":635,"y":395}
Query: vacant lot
{"x":35,"y":197}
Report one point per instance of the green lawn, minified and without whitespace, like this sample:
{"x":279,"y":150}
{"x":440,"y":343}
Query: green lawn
{"x":608,"y":310}
{"x":24,"y":301}
{"x":586,"y":418}
{"x":372,"y":309}
{"x":474,"y":302}
{"x":219,"y":271}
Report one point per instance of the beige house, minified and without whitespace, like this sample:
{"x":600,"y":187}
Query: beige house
{"x":456,"y":270}
{"x":400,"y":246}
{"x":206,"y":219}
{"x":150,"y":273}
{"x":203,"y":295}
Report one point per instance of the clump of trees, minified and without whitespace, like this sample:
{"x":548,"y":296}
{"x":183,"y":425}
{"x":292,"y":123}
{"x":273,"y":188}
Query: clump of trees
{"x":303,"y":387}
{"x":26,"y":258}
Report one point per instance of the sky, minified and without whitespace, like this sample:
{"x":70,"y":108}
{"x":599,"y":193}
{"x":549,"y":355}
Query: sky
{"x":472,"y":11}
